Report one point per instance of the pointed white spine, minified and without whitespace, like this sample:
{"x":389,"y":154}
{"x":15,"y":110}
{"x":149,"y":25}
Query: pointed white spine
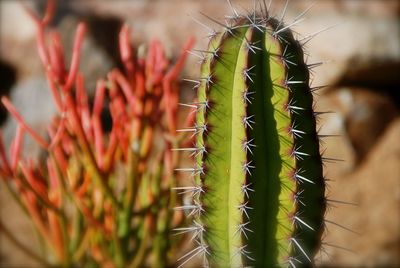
{"x":201,"y":250}
{"x":298,"y":246}
{"x":247,"y":122}
{"x":298,"y":154}
{"x":244,"y":252}
{"x":295,"y":132}
{"x":193,"y":170}
{"x":247,"y":167}
{"x":246,"y":189}
{"x":247,"y":96}
{"x":197,"y":229}
{"x":297,"y":219}
{"x":247,"y":74}
{"x":244,"y":208}
{"x":299,"y":178}
{"x":247,"y":145}
{"x":195,"y":208}
{"x":194,"y":190}
{"x":196,"y":129}
{"x":194,"y":151}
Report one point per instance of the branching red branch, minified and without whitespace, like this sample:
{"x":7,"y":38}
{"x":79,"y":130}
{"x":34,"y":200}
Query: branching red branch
{"x":11,"y":109}
{"x":57,"y":136}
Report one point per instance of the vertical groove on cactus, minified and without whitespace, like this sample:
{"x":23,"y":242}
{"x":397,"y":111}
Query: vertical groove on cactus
{"x":259,"y":194}
{"x":272,"y":157}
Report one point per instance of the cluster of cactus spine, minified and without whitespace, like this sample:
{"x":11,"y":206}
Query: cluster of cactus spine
{"x":259,"y":192}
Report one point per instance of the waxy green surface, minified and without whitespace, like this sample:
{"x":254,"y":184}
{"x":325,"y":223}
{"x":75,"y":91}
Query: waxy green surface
{"x":229,"y":70}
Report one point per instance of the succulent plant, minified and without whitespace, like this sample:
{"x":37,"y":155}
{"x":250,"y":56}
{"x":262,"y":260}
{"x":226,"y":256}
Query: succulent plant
{"x":100,"y":197}
{"x":259,"y":191}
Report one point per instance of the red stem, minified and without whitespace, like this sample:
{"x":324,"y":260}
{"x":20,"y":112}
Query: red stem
{"x":6,"y":168}
{"x":49,"y":13}
{"x":125,"y":49}
{"x":57,"y":57}
{"x":58,"y":134}
{"x":96,"y":123}
{"x":171,"y":96}
{"x":55,"y":93}
{"x":83,"y":106}
{"x":125,"y":87}
{"x":17,"y":147}
{"x":74,"y":67}
{"x":11,"y":109}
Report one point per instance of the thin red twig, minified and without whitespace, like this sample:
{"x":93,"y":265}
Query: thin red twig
{"x":11,"y":109}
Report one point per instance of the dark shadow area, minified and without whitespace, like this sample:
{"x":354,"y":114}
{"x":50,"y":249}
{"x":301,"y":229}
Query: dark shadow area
{"x":374,"y":90}
{"x":380,"y":77}
{"x":265,"y":177}
{"x":8,"y":77}
{"x":105,"y":31}
{"x":105,"y":117}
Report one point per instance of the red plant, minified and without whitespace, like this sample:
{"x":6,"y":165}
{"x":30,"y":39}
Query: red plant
{"x":101,"y":196}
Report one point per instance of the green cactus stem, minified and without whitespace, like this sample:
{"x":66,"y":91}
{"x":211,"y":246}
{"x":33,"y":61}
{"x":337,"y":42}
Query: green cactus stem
{"x":259,"y":193}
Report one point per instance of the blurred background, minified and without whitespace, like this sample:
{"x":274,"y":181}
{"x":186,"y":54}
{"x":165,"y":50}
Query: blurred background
{"x":361,"y":60}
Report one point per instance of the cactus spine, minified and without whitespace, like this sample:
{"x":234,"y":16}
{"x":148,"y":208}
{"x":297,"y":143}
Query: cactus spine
{"x":259,"y":196}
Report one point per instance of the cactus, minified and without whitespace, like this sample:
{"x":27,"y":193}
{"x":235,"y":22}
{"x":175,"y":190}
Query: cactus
{"x":259,"y":192}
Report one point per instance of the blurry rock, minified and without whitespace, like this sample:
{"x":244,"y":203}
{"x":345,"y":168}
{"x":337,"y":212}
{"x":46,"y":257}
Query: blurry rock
{"x":17,"y":39}
{"x":361,"y":117}
{"x":19,"y":26}
{"x":366,"y":115}
{"x":384,"y":8}
{"x":337,"y":144}
{"x":375,"y":188}
{"x":360,"y":32}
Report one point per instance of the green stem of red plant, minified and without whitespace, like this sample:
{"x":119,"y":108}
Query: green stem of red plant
{"x":81,"y":248}
{"x":89,"y":161}
{"x":140,"y":254}
{"x":125,"y":216}
{"x":161,"y":244}
{"x":76,"y":236}
{"x":120,"y":258}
